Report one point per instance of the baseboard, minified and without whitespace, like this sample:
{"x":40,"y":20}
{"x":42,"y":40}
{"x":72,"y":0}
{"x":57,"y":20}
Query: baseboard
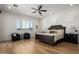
{"x":4,"y":40}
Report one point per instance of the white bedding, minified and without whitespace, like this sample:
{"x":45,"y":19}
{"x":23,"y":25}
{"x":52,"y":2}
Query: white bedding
{"x":58,"y":37}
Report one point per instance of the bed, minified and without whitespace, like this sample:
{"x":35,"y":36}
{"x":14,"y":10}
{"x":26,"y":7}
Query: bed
{"x":56,"y":33}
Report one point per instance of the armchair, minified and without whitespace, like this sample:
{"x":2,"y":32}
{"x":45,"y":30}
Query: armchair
{"x":15,"y":36}
{"x":26,"y":36}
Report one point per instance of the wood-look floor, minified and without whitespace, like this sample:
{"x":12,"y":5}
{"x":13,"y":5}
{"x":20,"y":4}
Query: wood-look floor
{"x":35,"y":47}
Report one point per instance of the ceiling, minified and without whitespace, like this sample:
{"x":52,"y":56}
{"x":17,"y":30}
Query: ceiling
{"x":25,"y":9}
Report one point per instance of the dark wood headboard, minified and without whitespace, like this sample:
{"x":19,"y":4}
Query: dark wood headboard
{"x":57,"y":27}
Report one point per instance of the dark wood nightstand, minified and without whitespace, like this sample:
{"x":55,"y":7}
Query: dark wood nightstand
{"x":72,"y":38}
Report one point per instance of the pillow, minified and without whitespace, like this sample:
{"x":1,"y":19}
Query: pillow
{"x":60,"y":31}
{"x":43,"y":32}
{"x":51,"y":32}
{"x":14,"y":34}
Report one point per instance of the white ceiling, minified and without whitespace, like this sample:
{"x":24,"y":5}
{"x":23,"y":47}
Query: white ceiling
{"x":25,"y":9}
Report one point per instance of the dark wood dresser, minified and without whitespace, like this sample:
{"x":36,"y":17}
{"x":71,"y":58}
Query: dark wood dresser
{"x":72,"y":38}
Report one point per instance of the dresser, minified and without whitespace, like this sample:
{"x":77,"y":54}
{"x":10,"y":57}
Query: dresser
{"x":72,"y":38}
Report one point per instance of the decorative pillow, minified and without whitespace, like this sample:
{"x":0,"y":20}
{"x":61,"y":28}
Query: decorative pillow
{"x":43,"y":32}
{"x":51,"y":31}
{"x":14,"y":34}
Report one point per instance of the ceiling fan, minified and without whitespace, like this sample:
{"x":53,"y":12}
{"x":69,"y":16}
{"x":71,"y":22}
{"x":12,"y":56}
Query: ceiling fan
{"x":39,"y":10}
{"x":15,"y":5}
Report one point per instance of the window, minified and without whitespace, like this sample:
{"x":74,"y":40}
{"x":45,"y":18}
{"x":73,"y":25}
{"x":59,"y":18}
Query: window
{"x":27,"y":25}
{"x":24,"y":25}
{"x":30,"y":25}
{"x":18,"y":24}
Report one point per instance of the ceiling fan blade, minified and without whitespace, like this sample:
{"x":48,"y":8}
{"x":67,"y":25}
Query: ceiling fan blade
{"x":40,"y":7}
{"x":44,"y":10}
{"x":0,"y":10}
{"x":34,"y":11}
{"x":34,"y":8}
{"x":15,"y":5}
{"x":39,"y":12}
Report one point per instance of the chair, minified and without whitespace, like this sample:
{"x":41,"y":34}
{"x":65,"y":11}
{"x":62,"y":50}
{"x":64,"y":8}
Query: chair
{"x":26,"y":36}
{"x":15,"y":36}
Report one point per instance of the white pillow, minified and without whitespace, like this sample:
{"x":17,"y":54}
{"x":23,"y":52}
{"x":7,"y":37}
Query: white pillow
{"x":14,"y":34}
{"x":59,"y":31}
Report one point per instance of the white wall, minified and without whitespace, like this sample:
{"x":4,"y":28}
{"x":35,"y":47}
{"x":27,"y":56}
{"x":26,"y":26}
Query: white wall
{"x":67,"y":17}
{"x":9,"y":24}
{"x":1,"y":32}
{"x":0,"y":26}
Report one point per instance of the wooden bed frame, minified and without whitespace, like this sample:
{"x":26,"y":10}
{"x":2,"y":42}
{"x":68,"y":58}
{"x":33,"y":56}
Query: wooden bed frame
{"x":49,"y":39}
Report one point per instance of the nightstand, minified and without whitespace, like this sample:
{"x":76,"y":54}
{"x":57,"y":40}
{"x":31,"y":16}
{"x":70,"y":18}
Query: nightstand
{"x":72,"y":38}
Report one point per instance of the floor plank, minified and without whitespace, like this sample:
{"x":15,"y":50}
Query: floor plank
{"x":35,"y":47}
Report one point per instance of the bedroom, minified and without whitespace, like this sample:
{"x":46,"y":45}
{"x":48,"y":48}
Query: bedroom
{"x":56,"y":14}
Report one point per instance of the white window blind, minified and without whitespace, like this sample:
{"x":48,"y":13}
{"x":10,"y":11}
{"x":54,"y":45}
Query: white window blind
{"x":24,"y":25}
{"x":18,"y":24}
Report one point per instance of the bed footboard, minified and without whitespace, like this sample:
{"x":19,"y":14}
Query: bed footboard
{"x":45,"y":38}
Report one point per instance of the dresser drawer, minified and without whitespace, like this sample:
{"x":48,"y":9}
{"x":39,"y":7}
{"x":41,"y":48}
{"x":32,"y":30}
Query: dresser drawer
{"x":72,"y":38}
